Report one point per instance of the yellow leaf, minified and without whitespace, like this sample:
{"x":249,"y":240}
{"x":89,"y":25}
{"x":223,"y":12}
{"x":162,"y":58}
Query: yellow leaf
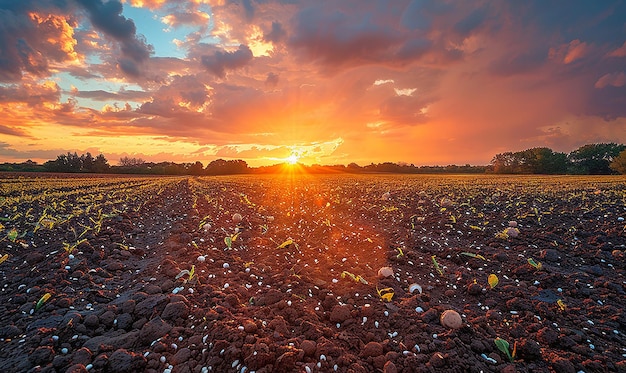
{"x":492,"y":280}
{"x":385,"y":294}
{"x":561,"y":304}
{"x":4,"y":257}
{"x":42,"y":300}
{"x":288,"y":242}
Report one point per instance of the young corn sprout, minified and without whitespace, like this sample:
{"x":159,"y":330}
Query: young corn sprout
{"x":191,"y":274}
{"x":386,"y":294}
{"x":44,"y":298}
{"x":355,"y":278}
{"x":503,"y":346}
{"x":69,"y":248}
{"x":536,"y":265}
{"x":228,"y":240}
{"x":436,"y":265}
{"x":472,"y":255}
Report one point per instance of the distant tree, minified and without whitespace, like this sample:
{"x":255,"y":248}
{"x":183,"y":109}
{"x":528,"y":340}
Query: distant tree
{"x":196,"y":168}
{"x":131,"y":162}
{"x":594,"y":159}
{"x":506,"y":163}
{"x":86,"y":162}
{"x":223,"y":167}
{"x":530,"y":161}
{"x":543,"y":161}
{"x":100,"y":164}
{"x":353,"y":167}
{"x":619,"y":163}
{"x":72,"y":162}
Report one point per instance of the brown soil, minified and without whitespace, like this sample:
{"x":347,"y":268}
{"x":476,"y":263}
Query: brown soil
{"x":276,"y":300}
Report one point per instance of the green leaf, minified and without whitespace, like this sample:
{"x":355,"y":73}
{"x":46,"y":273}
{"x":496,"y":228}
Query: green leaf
{"x":503,"y":346}
{"x":434,"y":259}
{"x":472,"y":255}
{"x":536,"y":265}
{"x":12,"y":235}
{"x":42,"y":301}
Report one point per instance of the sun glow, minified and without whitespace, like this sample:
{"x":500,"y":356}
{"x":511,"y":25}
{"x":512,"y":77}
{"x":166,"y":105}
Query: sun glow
{"x":292,"y":159}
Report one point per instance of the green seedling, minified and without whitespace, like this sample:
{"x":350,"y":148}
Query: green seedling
{"x":44,"y":298}
{"x":472,"y":255}
{"x":191,"y":274}
{"x":503,"y":346}
{"x":436,"y":265}
{"x":536,"y":265}
{"x":386,"y":294}
{"x":228,"y":240}
{"x":12,"y":235}
{"x":355,"y":278}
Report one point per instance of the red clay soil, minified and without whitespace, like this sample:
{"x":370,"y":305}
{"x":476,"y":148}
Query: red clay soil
{"x":278,"y":299}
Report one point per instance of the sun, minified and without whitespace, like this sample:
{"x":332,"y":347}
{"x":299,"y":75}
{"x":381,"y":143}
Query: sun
{"x":292,"y":159}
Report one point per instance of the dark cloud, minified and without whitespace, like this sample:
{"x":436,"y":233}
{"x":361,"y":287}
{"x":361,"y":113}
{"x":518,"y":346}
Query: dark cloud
{"x":276,"y":34}
{"x":123,"y":95}
{"x":219,"y":62}
{"x":591,"y":21}
{"x":248,"y":8}
{"x":5,"y":130}
{"x":608,"y":102}
{"x":30,"y":94}
{"x":271,"y":80}
{"x":419,"y":14}
{"x":337,"y":38}
{"x":107,"y":17}
{"x":473,"y":21}
{"x":519,"y":62}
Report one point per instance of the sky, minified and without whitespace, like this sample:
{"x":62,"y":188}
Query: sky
{"x":424,"y":82}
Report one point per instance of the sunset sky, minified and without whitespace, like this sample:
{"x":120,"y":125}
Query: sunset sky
{"x":427,"y":82}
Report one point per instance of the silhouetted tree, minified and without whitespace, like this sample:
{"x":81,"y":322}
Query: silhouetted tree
{"x":74,"y":163}
{"x":131,"y":162}
{"x":223,"y":167}
{"x":196,"y":168}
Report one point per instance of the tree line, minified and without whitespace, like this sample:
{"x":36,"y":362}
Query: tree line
{"x":591,"y":159}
